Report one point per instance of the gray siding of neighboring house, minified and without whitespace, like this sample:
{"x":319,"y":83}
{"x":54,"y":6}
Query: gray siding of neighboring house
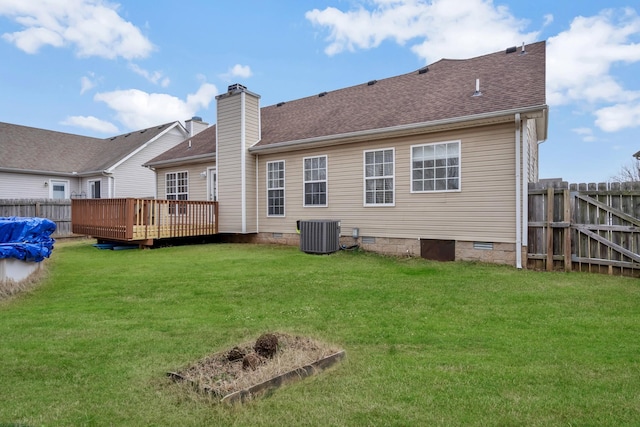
{"x":484,"y":209}
{"x":86,"y":186}
{"x":532,"y":140}
{"x":23,"y":185}
{"x":131,"y":179}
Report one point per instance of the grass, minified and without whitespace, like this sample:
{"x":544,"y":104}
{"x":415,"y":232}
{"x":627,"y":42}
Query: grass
{"x":427,"y":343}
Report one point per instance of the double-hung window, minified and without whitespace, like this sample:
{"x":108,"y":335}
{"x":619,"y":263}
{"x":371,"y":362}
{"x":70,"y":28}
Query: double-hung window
{"x":379,"y":178}
{"x":315,"y":181}
{"x":275,"y":188}
{"x":177,"y":189}
{"x":435,"y":167}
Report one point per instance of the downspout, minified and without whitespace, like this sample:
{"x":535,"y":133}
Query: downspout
{"x":110,"y":184}
{"x":257,"y":195}
{"x":243,"y":166}
{"x":518,"y":196}
{"x":525,"y":187}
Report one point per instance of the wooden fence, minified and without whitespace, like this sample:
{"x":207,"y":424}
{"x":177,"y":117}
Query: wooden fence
{"x":58,"y":211}
{"x":585,"y":227}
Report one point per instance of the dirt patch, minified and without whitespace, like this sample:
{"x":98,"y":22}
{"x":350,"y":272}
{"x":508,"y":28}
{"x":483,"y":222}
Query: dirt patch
{"x":252,"y":368}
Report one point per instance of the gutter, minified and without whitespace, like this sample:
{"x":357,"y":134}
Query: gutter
{"x":38,"y":172}
{"x":503,"y":116}
{"x":179,"y":161}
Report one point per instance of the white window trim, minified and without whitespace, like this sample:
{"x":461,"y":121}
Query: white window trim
{"x":284,"y":189}
{"x":212,"y":171}
{"x":364,"y":178}
{"x":459,"y":189}
{"x":178,"y":211}
{"x":326,"y":182}
{"x":64,"y":182}
{"x":166,"y":193}
{"x":91,"y":181}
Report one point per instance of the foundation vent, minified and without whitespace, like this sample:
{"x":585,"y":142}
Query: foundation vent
{"x":319,"y":236}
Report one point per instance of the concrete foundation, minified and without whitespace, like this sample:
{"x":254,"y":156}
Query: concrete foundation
{"x":494,"y":253}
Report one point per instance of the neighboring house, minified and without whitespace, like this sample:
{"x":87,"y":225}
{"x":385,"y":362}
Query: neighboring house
{"x":434,"y":161}
{"x":39,"y":163}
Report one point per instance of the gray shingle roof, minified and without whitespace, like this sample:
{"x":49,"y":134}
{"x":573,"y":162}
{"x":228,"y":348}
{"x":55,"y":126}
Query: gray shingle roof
{"x":444,"y":90}
{"x":507,"y":81}
{"x":33,"y":149}
{"x":200,"y":145}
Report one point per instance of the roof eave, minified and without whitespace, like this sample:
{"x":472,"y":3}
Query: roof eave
{"x":38,"y":172}
{"x":181,"y":160}
{"x":538,"y":112}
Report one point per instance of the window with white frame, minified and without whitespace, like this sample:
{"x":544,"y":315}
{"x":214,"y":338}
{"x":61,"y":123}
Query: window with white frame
{"x":379,"y":181}
{"x":315,"y":181}
{"x":275,"y":188}
{"x":59,"y":189}
{"x":177,"y":189}
{"x":435,"y":167}
{"x":94,"y":189}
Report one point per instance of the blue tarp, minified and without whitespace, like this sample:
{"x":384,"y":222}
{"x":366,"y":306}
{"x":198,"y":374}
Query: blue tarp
{"x":27,"y":239}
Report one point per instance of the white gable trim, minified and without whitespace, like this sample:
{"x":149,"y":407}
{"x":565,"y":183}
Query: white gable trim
{"x":145,"y":145}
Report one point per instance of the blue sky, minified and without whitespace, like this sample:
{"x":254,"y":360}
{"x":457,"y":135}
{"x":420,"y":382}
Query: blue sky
{"x":102,"y":68}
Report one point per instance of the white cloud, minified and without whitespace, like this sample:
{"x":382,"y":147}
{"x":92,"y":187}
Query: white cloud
{"x":136,"y":109}
{"x":242,"y":71}
{"x":155,"y":77}
{"x":439,"y":28}
{"x":579,"y":60}
{"x":92,"y":123}
{"x":586,"y":134}
{"x":618,"y":117}
{"x":92,"y":27}
{"x":86,"y":84}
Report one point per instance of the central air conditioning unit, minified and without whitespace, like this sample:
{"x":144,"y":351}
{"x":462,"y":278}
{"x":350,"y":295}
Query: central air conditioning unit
{"x":319,"y":236}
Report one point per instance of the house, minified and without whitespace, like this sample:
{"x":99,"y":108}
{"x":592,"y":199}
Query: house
{"x":433,"y":163}
{"x":38,"y":163}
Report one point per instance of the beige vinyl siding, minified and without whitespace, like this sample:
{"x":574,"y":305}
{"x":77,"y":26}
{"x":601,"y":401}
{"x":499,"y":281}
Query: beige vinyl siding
{"x":134,"y":180}
{"x":483,"y":210}
{"x":252,"y":136}
{"x":197,"y":183}
{"x":229,"y":167}
{"x":32,"y":186}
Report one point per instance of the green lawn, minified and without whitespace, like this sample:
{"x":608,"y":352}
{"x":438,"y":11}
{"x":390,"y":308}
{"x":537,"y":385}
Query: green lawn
{"x":427,"y":343}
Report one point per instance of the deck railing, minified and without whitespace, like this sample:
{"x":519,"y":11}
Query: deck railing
{"x":137,"y":220}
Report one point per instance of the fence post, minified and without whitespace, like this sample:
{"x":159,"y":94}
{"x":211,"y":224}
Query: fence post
{"x":567,"y":231}
{"x":550,"y":197}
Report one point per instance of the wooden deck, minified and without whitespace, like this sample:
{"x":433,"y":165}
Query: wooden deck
{"x":143,"y":220}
